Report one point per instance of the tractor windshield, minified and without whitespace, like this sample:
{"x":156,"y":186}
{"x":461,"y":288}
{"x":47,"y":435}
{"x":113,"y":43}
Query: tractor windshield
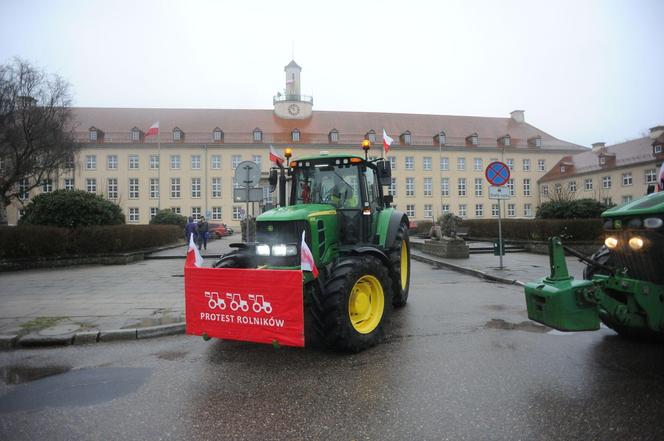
{"x":338,"y":185}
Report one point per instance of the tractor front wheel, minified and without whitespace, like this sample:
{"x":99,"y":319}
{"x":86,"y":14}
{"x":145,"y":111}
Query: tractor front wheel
{"x":355,"y":304}
{"x":400,"y":261}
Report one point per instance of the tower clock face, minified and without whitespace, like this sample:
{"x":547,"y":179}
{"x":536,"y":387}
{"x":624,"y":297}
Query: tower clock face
{"x":294,"y":109}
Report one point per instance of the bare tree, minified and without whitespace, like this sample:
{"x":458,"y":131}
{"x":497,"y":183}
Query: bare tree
{"x":36,"y":130}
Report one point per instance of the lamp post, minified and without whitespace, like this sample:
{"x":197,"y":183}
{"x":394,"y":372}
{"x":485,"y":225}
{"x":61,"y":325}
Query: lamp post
{"x":366,"y":145}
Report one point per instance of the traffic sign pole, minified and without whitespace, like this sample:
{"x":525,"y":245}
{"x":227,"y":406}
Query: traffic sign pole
{"x":500,"y":234}
{"x":498,"y":173}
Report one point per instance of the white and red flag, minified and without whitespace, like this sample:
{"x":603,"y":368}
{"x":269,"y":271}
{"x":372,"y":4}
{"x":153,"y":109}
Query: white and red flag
{"x":275,"y":156}
{"x":153,"y":130}
{"x":387,"y":141}
{"x":307,"y":259}
{"x":193,"y":255}
{"x":660,"y":178}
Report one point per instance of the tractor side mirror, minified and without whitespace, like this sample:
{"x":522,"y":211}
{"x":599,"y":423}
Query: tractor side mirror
{"x":384,"y":172}
{"x":273,"y":178}
{"x":651,"y":189}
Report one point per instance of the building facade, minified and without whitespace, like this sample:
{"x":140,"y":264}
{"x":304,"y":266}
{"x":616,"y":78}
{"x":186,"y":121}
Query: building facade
{"x":438,"y":161}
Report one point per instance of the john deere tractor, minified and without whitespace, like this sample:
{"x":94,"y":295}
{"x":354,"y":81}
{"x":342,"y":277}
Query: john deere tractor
{"x":358,"y":241}
{"x":624,"y":281}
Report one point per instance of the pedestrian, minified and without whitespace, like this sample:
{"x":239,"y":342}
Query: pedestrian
{"x":189,"y":229}
{"x":203,"y":228}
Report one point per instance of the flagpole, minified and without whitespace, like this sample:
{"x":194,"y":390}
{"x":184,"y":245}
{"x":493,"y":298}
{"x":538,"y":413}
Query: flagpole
{"x":159,"y":172}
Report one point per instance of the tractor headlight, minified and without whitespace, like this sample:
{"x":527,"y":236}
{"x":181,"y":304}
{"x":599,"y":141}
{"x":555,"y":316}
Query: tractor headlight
{"x":281,"y":250}
{"x":263,"y":249}
{"x":636,"y":243}
{"x":611,"y":242}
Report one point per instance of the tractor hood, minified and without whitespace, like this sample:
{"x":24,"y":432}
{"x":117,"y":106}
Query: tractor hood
{"x":651,"y":204}
{"x":296,"y":212}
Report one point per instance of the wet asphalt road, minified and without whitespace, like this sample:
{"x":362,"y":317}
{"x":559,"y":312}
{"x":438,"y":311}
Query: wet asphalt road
{"x":461,"y":362}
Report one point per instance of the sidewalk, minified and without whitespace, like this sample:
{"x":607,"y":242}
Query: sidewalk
{"x":86,"y":304}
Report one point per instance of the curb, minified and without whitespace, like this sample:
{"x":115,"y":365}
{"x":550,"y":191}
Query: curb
{"x":462,"y":269}
{"x":9,"y":342}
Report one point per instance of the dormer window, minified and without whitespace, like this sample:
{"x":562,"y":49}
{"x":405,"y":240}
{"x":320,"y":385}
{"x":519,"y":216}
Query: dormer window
{"x":407,"y":138}
{"x":96,"y":135}
{"x":334,"y":135}
{"x":93,"y":135}
{"x":295,"y":135}
{"x":441,"y":138}
{"x":371,"y":135}
{"x":535,"y":141}
{"x":136,"y":134}
{"x":178,"y":135}
{"x":562,"y":169}
{"x":473,"y":139}
{"x":258,"y":135}
{"x":217,"y":135}
{"x":506,"y":141}
{"x":658,"y":149}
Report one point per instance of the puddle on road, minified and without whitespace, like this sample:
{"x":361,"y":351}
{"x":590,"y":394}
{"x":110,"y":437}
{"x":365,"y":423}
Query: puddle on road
{"x":83,"y":387}
{"x":25,"y":374}
{"x":171,"y":355}
{"x":527,"y":326}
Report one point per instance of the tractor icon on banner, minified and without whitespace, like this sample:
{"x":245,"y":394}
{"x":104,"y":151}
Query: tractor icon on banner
{"x":215,"y":301}
{"x":260,"y":304}
{"x":237,"y":302}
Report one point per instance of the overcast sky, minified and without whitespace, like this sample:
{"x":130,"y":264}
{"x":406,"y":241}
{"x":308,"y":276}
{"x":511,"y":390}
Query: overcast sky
{"x":583,"y":71}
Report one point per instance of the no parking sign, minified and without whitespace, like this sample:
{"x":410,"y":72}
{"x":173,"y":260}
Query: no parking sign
{"x":497,"y":173}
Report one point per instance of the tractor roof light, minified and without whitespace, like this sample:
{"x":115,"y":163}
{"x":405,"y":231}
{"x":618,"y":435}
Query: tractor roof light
{"x":366,"y":145}
{"x":636,"y":243}
{"x":611,"y":242}
{"x":288,"y":152}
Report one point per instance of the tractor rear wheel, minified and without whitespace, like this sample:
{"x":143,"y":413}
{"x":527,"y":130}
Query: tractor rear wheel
{"x":231,"y":261}
{"x":355,"y":304}
{"x":400,"y":261}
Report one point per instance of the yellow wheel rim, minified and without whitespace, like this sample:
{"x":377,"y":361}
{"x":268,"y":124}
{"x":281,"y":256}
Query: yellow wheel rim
{"x":404,"y":264}
{"x":366,"y":304}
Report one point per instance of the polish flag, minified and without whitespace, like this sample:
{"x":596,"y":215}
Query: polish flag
{"x":153,"y":130}
{"x":275,"y":156}
{"x":387,"y":141}
{"x":194,"y":257}
{"x":307,"y":259}
{"x":660,"y":178}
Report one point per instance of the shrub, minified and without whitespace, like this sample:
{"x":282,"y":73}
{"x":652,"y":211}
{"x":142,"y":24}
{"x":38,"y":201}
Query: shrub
{"x":71,"y":208}
{"x":571,"y":209}
{"x":536,"y":229}
{"x":167,"y":217}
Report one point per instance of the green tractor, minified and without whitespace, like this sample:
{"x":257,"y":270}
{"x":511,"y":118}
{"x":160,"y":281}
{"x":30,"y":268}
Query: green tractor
{"x":358,"y":241}
{"x":624,"y":280}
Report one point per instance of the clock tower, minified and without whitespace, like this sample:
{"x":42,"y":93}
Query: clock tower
{"x":291,"y":104}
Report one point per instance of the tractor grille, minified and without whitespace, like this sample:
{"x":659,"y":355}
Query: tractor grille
{"x":288,"y":232}
{"x":645,"y":264}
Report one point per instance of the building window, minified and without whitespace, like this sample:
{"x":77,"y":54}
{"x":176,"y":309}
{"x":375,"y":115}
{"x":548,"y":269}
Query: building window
{"x":602,"y":160}
{"x":47,"y":185}
{"x":494,"y":210}
{"x":410,"y":162}
{"x":511,"y":210}
{"x":69,"y":162}
{"x":216,"y":187}
{"x":461,"y":163}
{"x":112,"y":162}
{"x":428,"y":187}
{"x":393,"y":162}
{"x":133,"y":214}
{"x":153,"y":212}
{"x":461,"y":185}
{"x":133,"y":188}
{"x":527,"y":210}
{"x":133,"y":162}
{"x":295,"y":135}
{"x":175,"y":188}
{"x":479,"y":210}
{"x":410,"y":210}
{"x":258,"y":135}
{"x":607,"y":201}
{"x":154,"y":162}
{"x":195,"y":187}
{"x":196,"y":212}
{"x":444,"y":164}
{"x":426,"y":163}
{"x":479,"y":187}
{"x":371,"y":136}
{"x":572,"y":186}
{"x":510,"y":186}
{"x":237,"y":212}
{"x":91,"y":162}
{"x":506,"y":141}
{"x":235,"y":161}
{"x":445,"y":186}
{"x":473,"y":139}
{"x":545,"y":190}
{"x":258,"y":159}
{"x":441,"y":138}
{"x":562,"y":169}
{"x":626,"y":179}
{"x":526,"y":187}
{"x":177,"y":135}
{"x":195,"y":162}
{"x":626,"y":199}
{"x":526,"y":165}
{"x":410,"y":186}
{"x":445,"y":208}
{"x":135,"y":135}
{"x":216,"y":213}
{"x":651,"y":176}
{"x":217,"y":135}
{"x":606,"y":182}
{"x":477,"y":164}
{"x":69,"y":183}
{"x":93,"y":135}
{"x":510,"y":164}
{"x":154,"y":188}
{"x":588,"y":184}
{"x":392,"y":189}
{"x":176,"y":210}
{"x":91,"y":185}
{"x":334,"y":136}
{"x":558,"y":188}
{"x":112,"y":188}
{"x":540,"y":165}
{"x":428,"y":211}
{"x":216,"y":162}
{"x":407,"y":138}
{"x":175,"y":162}
{"x":462,"y":210}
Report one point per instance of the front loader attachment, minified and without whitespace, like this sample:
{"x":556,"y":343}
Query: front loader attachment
{"x":561,"y":302}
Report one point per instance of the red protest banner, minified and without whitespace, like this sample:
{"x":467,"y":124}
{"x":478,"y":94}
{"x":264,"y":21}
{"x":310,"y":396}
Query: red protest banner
{"x":257,"y":305}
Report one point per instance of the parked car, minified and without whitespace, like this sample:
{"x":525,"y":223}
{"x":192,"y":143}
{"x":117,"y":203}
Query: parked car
{"x":219,"y":230}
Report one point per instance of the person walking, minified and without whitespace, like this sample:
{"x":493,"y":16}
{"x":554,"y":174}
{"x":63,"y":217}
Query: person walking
{"x":203,"y":229}
{"x":189,"y":229}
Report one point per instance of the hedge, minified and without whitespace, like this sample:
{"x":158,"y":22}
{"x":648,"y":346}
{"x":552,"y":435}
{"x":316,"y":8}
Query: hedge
{"x":43,"y":241}
{"x":536,"y":229}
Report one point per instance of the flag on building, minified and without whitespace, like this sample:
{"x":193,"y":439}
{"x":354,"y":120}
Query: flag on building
{"x":660,"y":178}
{"x":153,"y":130}
{"x":387,"y":141}
{"x":275,"y":156}
{"x":193,"y":255}
{"x":307,"y":259}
